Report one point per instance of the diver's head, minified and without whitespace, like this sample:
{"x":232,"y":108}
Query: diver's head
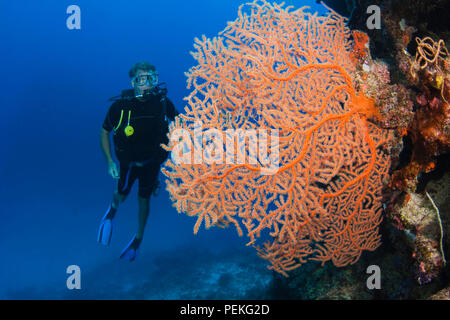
{"x":144,"y":78}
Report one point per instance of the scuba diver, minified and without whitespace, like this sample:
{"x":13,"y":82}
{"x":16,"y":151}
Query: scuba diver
{"x":138,"y":119}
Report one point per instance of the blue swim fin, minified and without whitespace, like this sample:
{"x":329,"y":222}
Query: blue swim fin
{"x":131,"y":250}
{"x":105,"y":229}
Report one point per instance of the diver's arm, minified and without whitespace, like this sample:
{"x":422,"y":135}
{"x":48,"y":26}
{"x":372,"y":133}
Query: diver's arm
{"x":105,"y":145}
{"x":106,"y":148}
{"x":171,"y":111}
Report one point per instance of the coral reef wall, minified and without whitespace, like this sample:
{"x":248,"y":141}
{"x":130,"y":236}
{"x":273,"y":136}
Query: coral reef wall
{"x":409,"y":80}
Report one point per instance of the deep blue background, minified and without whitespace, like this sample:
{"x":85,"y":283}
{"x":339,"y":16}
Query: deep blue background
{"x":53,"y":95}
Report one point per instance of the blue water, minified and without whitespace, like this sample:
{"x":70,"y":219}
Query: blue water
{"x":54,"y":183}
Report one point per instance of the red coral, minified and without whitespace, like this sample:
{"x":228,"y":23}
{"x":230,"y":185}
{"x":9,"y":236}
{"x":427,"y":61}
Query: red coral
{"x":288,"y":72}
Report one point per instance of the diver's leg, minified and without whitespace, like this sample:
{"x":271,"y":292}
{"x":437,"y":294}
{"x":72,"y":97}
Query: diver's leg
{"x":130,"y":251}
{"x":127,"y":177}
{"x":144,"y":209}
{"x":117,"y":199}
{"x":148,"y":175}
{"x":106,"y":226}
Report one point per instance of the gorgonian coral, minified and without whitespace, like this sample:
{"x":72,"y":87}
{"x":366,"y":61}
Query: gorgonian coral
{"x":286,"y":71}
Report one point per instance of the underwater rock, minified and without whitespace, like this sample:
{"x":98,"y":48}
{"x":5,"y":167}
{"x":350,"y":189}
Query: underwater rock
{"x":444,"y":294}
{"x":418,"y":215}
{"x":416,"y":61}
{"x":422,"y":66}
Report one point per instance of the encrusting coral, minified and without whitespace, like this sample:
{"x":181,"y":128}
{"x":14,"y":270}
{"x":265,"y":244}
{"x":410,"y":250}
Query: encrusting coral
{"x":290,"y":72}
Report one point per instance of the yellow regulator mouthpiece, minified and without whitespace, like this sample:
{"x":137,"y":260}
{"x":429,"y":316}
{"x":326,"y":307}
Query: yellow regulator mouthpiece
{"x":129,"y":130}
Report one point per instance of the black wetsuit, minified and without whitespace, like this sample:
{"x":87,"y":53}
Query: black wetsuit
{"x":140,"y":154}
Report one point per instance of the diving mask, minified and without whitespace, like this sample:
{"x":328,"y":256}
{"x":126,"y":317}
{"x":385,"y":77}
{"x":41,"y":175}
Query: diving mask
{"x":149,"y":80}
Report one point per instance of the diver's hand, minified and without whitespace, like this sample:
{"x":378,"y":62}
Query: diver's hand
{"x":112,"y":170}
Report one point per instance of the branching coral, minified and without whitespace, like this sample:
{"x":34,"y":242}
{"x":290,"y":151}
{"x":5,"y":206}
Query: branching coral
{"x":289,"y":72}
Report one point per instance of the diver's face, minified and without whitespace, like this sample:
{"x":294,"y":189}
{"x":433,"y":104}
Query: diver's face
{"x":142,"y":81}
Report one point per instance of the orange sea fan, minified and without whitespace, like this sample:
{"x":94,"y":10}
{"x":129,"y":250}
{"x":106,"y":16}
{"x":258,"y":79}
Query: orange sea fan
{"x":290,"y":72}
